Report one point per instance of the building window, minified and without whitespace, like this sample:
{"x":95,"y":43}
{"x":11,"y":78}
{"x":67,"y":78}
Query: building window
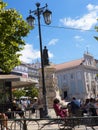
{"x":64,"y":76}
{"x":72,"y":76}
{"x":78,"y":75}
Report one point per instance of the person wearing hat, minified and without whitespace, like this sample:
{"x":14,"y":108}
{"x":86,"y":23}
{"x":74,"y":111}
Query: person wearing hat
{"x":35,"y":98}
{"x":35,"y":104}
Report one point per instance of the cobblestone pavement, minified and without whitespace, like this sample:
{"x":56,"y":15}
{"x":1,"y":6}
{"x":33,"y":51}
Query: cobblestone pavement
{"x":34,"y":126}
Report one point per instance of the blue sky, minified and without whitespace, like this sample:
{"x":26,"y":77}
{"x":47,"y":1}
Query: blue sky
{"x":70,"y":34}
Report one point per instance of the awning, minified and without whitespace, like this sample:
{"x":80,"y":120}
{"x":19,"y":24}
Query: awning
{"x":21,"y":84}
{"x":9,"y":77}
{"x":18,"y":81}
{"x":24,"y":82}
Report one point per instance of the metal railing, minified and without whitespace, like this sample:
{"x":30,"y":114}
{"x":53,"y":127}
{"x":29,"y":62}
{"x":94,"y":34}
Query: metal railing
{"x":51,"y":123}
{"x":31,"y":124}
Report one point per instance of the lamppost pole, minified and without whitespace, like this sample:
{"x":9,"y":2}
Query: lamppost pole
{"x":42,"y":65}
{"x":30,"y":20}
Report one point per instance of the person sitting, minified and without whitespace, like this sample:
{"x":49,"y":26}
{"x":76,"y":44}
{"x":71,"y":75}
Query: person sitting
{"x":92,"y":109}
{"x":96,"y":106}
{"x":85,"y":107}
{"x":9,"y":114}
{"x":4,"y":121}
{"x":58,"y":109}
{"x":17,"y":109}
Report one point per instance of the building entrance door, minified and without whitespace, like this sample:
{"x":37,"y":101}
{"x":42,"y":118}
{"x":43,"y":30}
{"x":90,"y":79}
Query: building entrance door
{"x":65,"y":94}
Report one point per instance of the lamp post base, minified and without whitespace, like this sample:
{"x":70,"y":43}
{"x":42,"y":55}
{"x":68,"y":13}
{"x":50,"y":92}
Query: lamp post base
{"x":43,"y":113}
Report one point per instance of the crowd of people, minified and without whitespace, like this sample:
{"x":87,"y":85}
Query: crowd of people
{"x":75,"y":107}
{"x":89,"y":107}
{"x":18,"y":107}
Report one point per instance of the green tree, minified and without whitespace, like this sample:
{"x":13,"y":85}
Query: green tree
{"x":12,"y":30}
{"x":32,"y":92}
{"x":18,"y":93}
{"x":96,"y":28}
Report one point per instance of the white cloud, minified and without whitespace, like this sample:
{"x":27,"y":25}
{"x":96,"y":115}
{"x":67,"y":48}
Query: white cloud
{"x":29,"y":54}
{"x":53,"y":42}
{"x":91,"y":7}
{"x":50,"y":54}
{"x":85,"y":22}
{"x":78,"y":38}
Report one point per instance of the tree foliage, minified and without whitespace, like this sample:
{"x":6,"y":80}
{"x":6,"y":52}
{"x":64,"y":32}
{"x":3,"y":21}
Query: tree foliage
{"x":96,"y":28}
{"x":18,"y":93}
{"x":12,"y":30}
{"x":29,"y":92}
{"x":32,"y":92}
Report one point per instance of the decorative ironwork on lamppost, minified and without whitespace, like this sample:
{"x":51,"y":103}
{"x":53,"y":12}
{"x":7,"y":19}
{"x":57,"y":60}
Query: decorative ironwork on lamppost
{"x":31,"y":20}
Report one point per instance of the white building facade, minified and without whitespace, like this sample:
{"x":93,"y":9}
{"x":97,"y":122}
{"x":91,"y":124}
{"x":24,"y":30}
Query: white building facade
{"x":78,"y":78}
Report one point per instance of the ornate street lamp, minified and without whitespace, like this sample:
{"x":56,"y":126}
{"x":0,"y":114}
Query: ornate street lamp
{"x":31,"y":20}
{"x":46,"y":14}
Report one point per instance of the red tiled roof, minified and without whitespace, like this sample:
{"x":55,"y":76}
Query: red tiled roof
{"x":68,"y":64}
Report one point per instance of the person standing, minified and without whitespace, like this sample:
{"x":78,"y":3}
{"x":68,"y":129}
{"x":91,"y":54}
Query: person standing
{"x":75,"y":106}
{"x":35,"y":105}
